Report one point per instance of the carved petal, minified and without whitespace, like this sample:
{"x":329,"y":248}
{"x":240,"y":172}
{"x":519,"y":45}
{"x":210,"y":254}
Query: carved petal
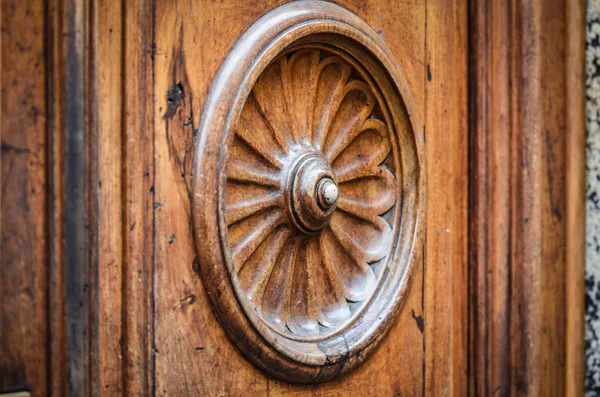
{"x":243,"y":172}
{"x":276,"y":299}
{"x":246,"y":235}
{"x":256,"y":271}
{"x":364,"y":154}
{"x":254,"y":129}
{"x":301,"y":283}
{"x":329,"y":290}
{"x":303,"y":310}
{"x":357,"y":277}
{"x":370,"y":195}
{"x":366,"y":241}
{"x":330,"y":90}
{"x":243,"y":154}
{"x":356,"y":106}
{"x":299,"y":84}
{"x":269,"y":93}
{"x":243,"y":200}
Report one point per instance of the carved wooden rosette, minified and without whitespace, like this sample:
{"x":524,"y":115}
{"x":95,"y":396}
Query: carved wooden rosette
{"x":310,"y":194}
{"x":308,"y":191}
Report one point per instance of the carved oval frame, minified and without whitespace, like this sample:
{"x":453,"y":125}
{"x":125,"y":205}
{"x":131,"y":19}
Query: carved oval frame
{"x":295,"y":24}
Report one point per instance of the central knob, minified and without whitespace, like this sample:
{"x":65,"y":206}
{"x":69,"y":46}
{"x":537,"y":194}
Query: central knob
{"x":312,"y":192}
{"x":327,"y":193}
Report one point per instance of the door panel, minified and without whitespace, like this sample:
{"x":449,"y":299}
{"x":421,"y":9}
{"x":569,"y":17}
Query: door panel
{"x":100,"y":287}
{"x":192,"y":353}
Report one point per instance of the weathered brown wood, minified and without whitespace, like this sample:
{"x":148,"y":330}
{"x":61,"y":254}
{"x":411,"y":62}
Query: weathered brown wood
{"x":526,"y":187}
{"x":179,"y":352}
{"x":79,"y":219}
{"x":138,"y":197}
{"x":46,"y":118}
{"x":24,"y":274}
{"x":489,"y":201}
{"x":176,"y":88}
{"x":125,"y":197}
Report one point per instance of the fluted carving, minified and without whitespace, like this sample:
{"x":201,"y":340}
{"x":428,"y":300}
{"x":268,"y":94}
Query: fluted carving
{"x":306,"y":278}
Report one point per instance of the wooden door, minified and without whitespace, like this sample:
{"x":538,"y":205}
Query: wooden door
{"x":104,"y":287}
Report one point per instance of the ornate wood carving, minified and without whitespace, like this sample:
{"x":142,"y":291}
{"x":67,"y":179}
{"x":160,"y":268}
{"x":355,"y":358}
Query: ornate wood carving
{"x":308,"y":259}
{"x":308,"y":191}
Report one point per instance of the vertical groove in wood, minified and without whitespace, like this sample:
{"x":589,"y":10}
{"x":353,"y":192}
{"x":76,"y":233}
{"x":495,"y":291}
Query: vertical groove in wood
{"x":138,"y":195}
{"x":446,"y":250}
{"x":477,"y":359}
{"x":526,"y":220}
{"x":497,"y":272}
{"x":553,"y":182}
{"x":523,"y":197}
{"x":575,"y":187}
{"x":495,"y":203}
{"x":77,"y":200}
{"x":490,"y":196}
{"x":90,"y":106}
{"x":56,"y":114}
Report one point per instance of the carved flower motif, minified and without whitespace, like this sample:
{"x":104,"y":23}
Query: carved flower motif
{"x":311,"y":117}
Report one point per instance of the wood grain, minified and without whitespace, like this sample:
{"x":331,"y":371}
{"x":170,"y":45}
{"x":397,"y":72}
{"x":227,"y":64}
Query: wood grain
{"x":108,"y":34}
{"x":445,"y":268}
{"x":490,"y":191}
{"x":79,"y":219}
{"x":56,"y":114}
{"x":23,"y":199}
{"x":178,"y":349}
{"x":139,"y":197}
{"x":526,"y":178}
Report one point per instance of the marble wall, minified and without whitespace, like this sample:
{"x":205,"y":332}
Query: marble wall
{"x":592,"y":279}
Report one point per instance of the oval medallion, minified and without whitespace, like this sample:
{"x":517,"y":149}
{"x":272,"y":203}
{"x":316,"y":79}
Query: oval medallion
{"x":308,"y":191}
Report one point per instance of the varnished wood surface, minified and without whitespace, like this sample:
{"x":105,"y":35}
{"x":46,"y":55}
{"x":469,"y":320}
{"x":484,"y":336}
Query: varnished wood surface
{"x":139,"y":226}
